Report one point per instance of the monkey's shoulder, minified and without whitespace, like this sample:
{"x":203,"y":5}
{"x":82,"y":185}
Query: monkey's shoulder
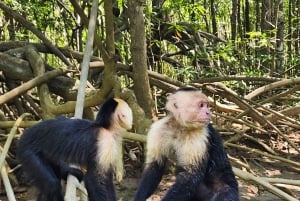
{"x":161,"y":128}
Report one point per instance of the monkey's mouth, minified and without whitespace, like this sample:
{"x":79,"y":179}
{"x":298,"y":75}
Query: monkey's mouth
{"x":203,"y":121}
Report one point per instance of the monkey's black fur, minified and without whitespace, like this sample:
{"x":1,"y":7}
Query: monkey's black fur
{"x":211,"y":180}
{"x":47,"y":149}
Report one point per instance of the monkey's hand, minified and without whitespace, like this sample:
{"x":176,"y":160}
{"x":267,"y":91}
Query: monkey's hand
{"x":76,"y":172}
{"x":119,"y":175}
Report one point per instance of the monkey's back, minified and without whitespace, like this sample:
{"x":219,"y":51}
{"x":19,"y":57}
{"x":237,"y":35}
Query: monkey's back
{"x":61,"y":138}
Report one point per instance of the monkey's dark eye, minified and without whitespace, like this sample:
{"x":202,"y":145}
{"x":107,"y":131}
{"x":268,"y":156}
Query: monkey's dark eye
{"x":201,"y":104}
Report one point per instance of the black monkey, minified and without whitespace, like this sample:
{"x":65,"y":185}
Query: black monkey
{"x":203,"y":171}
{"x":47,"y":149}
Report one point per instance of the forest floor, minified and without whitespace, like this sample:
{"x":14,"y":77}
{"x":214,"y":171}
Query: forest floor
{"x":126,"y":189}
{"x":248,"y":191}
{"x":260,"y":166}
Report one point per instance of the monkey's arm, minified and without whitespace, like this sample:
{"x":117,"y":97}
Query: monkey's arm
{"x":150,"y":179}
{"x":110,"y":188}
{"x":220,"y":169}
{"x":99,"y":185}
{"x":66,"y":169}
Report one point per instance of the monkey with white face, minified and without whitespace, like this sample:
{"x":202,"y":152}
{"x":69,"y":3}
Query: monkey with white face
{"x":204,"y":172}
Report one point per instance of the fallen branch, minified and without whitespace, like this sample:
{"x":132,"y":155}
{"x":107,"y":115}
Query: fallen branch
{"x":282,"y":181}
{"x":30,"y":84}
{"x":271,"y":86}
{"x":264,"y":154}
{"x":247,"y":176}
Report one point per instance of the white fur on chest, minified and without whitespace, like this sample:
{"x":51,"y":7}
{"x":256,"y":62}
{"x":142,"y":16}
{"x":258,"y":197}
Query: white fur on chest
{"x":188,"y":146}
{"x":108,"y":149}
{"x":192,"y":148}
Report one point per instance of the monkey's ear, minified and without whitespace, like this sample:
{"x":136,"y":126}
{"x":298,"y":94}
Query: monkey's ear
{"x":171,"y":104}
{"x":123,"y":121}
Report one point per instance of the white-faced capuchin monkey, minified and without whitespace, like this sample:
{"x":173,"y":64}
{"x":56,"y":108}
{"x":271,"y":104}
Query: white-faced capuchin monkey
{"x":47,"y":149}
{"x":203,"y":171}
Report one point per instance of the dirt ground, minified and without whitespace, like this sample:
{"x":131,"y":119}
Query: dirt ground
{"x":126,"y":189}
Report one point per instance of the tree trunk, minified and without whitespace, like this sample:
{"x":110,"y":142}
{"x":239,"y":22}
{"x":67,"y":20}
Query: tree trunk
{"x":280,"y":40}
{"x":247,"y":17}
{"x":296,"y":23}
{"x":213,"y":18}
{"x":234,"y":19}
{"x":139,"y":57}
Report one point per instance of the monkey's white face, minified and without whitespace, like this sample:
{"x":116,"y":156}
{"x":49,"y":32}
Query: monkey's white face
{"x":123,"y":114}
{"x":191,"y":109}
{"x":197,"y":111}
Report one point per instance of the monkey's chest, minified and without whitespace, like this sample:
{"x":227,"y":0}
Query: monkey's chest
{"x":190,"y":150}
{"x":107,"y":152}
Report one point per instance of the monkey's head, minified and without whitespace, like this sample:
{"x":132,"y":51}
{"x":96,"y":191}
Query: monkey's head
{"x":114,"y":114}
{"x":123,"y":115}
{"x":189,"y":107}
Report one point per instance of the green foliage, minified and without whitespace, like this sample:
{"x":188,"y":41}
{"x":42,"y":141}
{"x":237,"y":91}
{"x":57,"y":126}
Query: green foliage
{"x":251,"y":53}
{"x":46,"y":16}
{"x":187,"y":72}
